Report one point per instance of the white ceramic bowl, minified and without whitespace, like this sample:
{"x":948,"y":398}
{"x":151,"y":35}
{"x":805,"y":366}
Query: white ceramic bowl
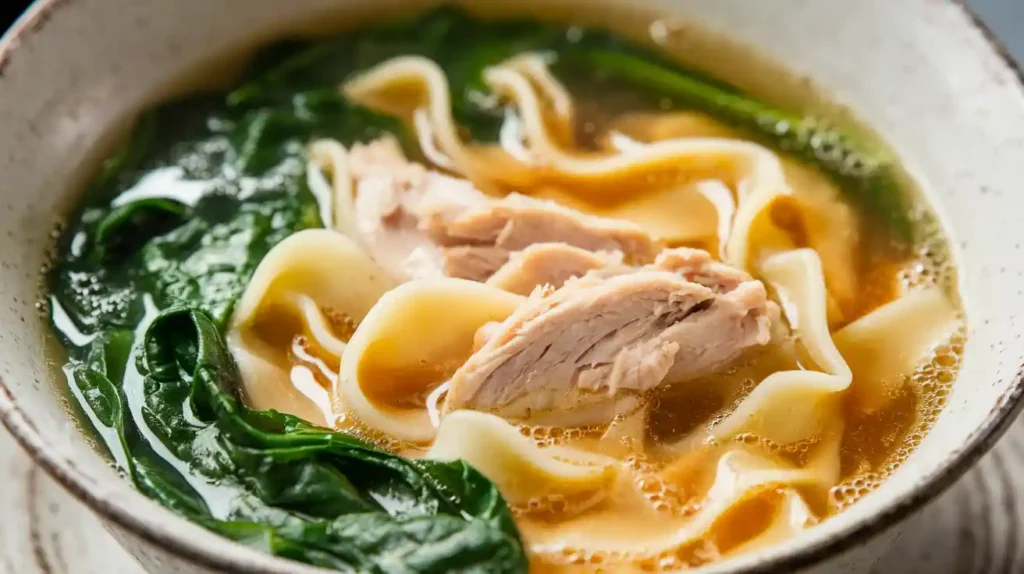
{"x":921,"y":72}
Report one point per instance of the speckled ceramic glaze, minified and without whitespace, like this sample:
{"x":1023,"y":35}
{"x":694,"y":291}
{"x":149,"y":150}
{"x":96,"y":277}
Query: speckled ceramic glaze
{"x":921,"y":72}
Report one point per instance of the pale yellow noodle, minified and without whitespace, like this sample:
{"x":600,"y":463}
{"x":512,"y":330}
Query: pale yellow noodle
{"x":309,"y":273}
{"x":740,"y":472}
{"x":426,"y":325}
{"x":332,"y":157}
{"x":890,"y":342}
{"x":522,"y":470}
{"x":764,"y":179}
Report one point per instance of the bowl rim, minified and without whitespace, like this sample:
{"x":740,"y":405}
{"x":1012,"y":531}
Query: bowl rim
{"x":923,"y":491}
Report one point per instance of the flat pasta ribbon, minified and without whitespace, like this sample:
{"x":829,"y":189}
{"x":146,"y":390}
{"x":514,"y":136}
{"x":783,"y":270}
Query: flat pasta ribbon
{"x":740,"y":473}
{"x":888,"y":343}
{"x":790,"y":406}
{"x":757,"y":173}
{"x":329,"y":157}
{"x":522,"y":470}
{"x":311,"y":276}
{"x":410,"y":343}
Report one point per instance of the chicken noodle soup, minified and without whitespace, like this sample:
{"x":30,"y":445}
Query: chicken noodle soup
{"x":452,"y":293}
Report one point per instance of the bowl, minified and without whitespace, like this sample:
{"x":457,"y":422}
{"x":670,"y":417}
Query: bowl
{"x":923,"y":73}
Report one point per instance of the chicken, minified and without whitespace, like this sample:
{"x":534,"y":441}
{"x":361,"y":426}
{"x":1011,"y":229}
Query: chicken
{"x":550,"y":264}
{"x":582,"y":353}
{"x":421,"y":223}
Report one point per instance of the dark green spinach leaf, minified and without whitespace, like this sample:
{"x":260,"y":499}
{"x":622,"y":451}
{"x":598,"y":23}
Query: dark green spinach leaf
{"x":274,"y":481}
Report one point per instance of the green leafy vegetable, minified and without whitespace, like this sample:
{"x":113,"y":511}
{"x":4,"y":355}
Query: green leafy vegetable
{"x":271,"y":479}
{"x":218,"y":185}
{"x":141,"y":216}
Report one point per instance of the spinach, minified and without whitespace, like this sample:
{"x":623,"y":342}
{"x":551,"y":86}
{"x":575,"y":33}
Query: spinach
{"x":206,"y":262}
{"x":275,"y":481}
{"x":185,"y":211}
{"x":134,"y":219}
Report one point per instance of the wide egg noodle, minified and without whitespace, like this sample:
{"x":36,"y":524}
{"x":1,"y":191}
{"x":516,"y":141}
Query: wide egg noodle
{"x":741,"y":471}
{"x":886,"y":344}
{"x":890,"y":342}
{"x":759,"y":176}
{"x":431,"y":119}
{"x":418,"y":333}
{"x":830,"y":225}
{"x":522,"y":470}
{"x":792,"y":517}
{"x":308,"y":275}
{"x":791,"y":406}
{"x":328,"y":158}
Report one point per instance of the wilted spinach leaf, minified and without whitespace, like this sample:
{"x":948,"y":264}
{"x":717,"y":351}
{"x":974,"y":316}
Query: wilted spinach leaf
{"x":272,"y":480}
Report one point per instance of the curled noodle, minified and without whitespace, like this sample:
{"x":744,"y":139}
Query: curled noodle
{"x":415,"y":337}
{"x":759,"y":174}
{"x":739,"y":474}
{"x":790,"y":406}
{"x":792,"y":517}
{"x":331,"y":157}
{"x":890,"y":342}
{"x":433,"y":122}
{"x":522,"y":470}
{"x":310,"y":275}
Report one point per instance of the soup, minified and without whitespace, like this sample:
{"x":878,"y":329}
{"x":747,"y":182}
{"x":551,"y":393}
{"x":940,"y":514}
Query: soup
{"x":454,"y":293}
